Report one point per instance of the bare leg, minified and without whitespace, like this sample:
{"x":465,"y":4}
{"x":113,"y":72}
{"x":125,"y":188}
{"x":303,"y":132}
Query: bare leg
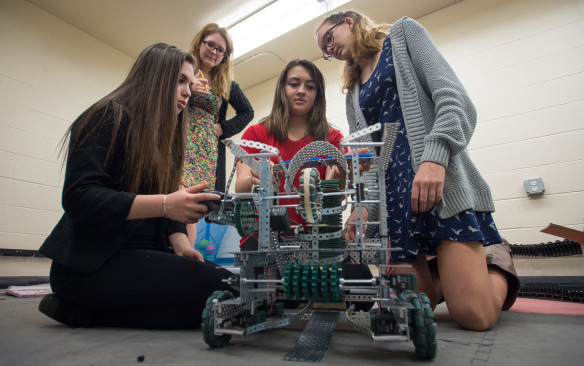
{"x":473,"y":293}
{"x":426,"y":283}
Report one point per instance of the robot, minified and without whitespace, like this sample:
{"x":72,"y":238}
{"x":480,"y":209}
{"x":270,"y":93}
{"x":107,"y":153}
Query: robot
{"x":306,"y":265}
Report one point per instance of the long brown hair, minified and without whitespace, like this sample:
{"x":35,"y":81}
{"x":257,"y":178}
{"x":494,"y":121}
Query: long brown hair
{"x":277,"y":121}
{"x":366,"y":37}
{"x":222,"y":74}
{"x":155,"y":142}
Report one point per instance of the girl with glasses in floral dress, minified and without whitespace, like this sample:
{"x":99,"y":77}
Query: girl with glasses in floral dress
{"x":213,"y":91}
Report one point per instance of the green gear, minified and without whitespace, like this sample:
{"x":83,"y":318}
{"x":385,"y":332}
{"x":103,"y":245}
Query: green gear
{"x":296,"y":285}
{"x":314,"y":281}
{"x":336,"y":272}
{"x":333,"y":283}
{"x":244,"y":218}
{"x":331,"y":223}
{"x":324,"y":282}
{"x":305,"y":282}
{"x":288,"y":281}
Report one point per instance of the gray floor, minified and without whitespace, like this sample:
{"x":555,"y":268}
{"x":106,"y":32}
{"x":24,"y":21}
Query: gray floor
{"x":29,"y":338}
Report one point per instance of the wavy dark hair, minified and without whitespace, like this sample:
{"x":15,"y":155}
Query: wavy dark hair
{"x":155,"y":141}
{"x":277,"y":121}
{"x":366,"y":42}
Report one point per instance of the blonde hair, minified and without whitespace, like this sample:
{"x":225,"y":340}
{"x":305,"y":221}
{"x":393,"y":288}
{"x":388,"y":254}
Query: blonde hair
{"x":366,"y":37}
{"x":222,"y":74}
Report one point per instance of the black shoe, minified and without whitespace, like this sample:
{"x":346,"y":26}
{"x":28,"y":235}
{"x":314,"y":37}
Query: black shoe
{"x":65,"y":312}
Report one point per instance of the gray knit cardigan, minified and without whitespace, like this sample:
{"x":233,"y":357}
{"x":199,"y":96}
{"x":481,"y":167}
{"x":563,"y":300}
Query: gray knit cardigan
{"x":438,"y":114}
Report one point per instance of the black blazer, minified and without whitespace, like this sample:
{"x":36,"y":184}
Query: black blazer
{"x":243,"y":115}
{"x":94,"y":226}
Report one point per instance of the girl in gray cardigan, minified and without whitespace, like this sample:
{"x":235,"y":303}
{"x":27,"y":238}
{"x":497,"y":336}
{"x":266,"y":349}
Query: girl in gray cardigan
{"x":438,"y":204}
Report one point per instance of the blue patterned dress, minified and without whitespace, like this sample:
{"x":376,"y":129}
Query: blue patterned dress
{"x":413,"y":233}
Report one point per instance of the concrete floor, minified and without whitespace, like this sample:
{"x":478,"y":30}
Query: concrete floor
{"x":27,"y":337}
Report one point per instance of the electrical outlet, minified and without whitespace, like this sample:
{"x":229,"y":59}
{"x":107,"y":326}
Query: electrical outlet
{"x":534,"y":186}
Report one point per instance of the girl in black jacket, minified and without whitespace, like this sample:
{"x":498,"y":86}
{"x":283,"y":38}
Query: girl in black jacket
{"x":120,"y":252}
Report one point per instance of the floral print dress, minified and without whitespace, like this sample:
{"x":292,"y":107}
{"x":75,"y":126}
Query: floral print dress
{"x":201,"y":153}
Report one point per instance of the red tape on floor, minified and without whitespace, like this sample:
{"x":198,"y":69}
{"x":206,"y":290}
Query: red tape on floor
{"x":523,"y":305}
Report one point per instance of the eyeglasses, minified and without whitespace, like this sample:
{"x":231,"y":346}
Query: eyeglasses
{"x":212,"y":46}
{"x":328,"y":41}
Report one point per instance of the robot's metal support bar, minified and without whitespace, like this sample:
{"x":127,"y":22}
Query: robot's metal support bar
{"x":263,"y":326}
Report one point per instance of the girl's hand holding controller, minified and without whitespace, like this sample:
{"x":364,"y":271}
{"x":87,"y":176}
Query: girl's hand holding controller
{"x":187,"y":205}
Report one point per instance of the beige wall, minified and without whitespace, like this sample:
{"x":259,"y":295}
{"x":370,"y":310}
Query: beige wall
{"x":49,"y":73}
{"x":521,"y":61}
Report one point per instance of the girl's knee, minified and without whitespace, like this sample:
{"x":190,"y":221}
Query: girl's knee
{"x":474,"y":317}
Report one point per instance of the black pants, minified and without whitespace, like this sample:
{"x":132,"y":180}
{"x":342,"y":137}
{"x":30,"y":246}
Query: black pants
{"x":142,"y":289}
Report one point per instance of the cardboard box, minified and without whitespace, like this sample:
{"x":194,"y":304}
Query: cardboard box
{"x":564,"y":232}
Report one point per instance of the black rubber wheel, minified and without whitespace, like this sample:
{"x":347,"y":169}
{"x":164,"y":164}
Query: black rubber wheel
{"x":208,"y":321}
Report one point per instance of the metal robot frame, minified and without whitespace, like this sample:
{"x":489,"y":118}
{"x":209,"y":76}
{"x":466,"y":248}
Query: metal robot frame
{"x":305,"y":266}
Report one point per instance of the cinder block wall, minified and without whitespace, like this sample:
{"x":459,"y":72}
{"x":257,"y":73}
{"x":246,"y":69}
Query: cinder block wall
{"x":49,"y":73}
{"x":520,"y":60}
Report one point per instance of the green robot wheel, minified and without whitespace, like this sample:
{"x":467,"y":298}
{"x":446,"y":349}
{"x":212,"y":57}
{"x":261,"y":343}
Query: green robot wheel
{"x":423,"y":326}
{"x":208,"y":320}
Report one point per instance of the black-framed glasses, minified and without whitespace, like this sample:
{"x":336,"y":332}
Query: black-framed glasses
{"x":328,"y":41}
{"x":213,"y":46}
